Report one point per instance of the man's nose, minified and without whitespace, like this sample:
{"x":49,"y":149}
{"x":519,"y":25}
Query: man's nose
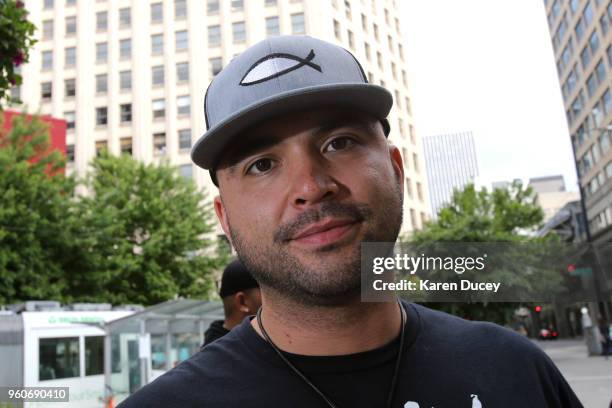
{"x":311,"y":182}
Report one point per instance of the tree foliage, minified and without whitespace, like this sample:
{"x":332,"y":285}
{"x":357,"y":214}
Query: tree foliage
{"x":16,"y":39}
{"x":36,"y":213}
{"x":143,"y":236}
{"x":137,"y":235}
{"x":499,"y":216}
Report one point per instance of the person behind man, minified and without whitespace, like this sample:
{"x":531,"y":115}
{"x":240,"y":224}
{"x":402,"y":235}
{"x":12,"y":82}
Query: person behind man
{"x":241,"y":298}
{"x":297,"y":143}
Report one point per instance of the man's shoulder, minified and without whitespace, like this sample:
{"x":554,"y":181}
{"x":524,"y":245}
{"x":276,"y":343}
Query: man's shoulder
{"x":196,"y":379}
{"x":461,"y":334}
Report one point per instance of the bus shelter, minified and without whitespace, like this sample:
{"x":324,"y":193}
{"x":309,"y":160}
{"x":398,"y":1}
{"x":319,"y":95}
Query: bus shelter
{"x":144,"y":345}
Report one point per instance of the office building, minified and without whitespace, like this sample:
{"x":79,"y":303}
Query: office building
{"x":130,"y":75}
{"x":551,"y":194}
{"x":451,"y":164}
{"x":581,"y":33}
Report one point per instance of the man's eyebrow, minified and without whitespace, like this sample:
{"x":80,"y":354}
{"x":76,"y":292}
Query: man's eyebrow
{"x":262,"y":141}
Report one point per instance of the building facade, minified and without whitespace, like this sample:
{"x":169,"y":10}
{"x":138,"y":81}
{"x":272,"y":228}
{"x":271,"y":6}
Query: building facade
{"x":451,"y":164}
{"x":581,"y":33}
{"x":130,"y":75}
{"x":551,"y":194}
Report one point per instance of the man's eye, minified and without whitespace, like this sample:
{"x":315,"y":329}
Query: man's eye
{"x":339,"y":143}
{"x":260,"y":166}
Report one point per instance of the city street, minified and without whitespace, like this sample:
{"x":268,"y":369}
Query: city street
{"x":590,"y":377}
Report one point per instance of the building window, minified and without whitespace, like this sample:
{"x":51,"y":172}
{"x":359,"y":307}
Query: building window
{"x":47,"y":29}
{"x":415,"y":162}
{"x":186,"y":171}
{"x":237,"y":5}
{"x":347,"y":9}
{"x":408,"y":182}
{"x":70,"y":87}
{"x":212,"y":7}
{"x":159,"y":108}
{"x":337,"y":30}
{"x":184,"y":137}
{"x":126,"y":145}
{"x":580,"y":29}
{"x":351,"y":39}
{"x":181,"y":40}
{"x":125,"y":80}
{"x":368,"y":51}
{"x":101,"y":145}
{"x":101,"y":83}
{"x":607,"y":102}
{"x":214,"y":36}
{"x":364,"y":22}
{"x":272,"y":26}
{"x":413,"y":219}
{"x":159,"y":144}
{"x":71,"y":26}
{"x":271,"y":3}
{"x":574,"y":5}
{"x":419,"y":191}
{"x":125,"y":48}
{"x":180,"y":9}
{"x":71,"y":2}
{"x":603,"y":21}
{"x":16,"y":94}
{"x":594,"y":42}
{"x":216,"y":65}
{"x":588,"y":14}
{"x":182,"y":72}
{"x":183,"y":105}
{"x":70,"y":57}
{"x":94,"y":355}
{"x":600,"y":71}
{"x":102,"y":116}
{"x":585,"y":57}
{"x":379,"y":60}
{"x":239,"y":32}
{"x":125,"y":112}
{"x":400,"y":50}
{"x":101,"y":52}
{"x":297,"y":23}
{"x":609,"y":53}
{"x":47,"y":60}
{"x":125,"y":17}
{"x":58,"y":358}
{"x":157,"y":75}
{"x":157,"y":13}
{"x":46,"y":90}
{"x":101,"y":21}
{"x":70,"y":153}
{"x":70,"y":119}
{"x":376,"y":34}
{"x":48,"y":4}
{"x":157,"y":44}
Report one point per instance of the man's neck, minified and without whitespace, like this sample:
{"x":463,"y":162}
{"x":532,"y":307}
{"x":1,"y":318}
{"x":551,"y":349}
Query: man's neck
{"x":328,"y":330}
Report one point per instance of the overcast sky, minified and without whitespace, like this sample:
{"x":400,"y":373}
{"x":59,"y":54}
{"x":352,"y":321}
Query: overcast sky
{"x":487,"y":66}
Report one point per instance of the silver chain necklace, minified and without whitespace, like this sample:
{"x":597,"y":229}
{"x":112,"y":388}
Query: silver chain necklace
{"x":316,"y":389}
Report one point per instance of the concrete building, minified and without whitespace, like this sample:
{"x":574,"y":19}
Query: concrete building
{"x":551,"y":194}
{"x":130,"y":75}
{"x":451,"y":164}
{"x":581,"y":33}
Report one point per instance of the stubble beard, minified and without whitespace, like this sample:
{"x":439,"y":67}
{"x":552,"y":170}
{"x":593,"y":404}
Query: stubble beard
{"x":323,"y":281}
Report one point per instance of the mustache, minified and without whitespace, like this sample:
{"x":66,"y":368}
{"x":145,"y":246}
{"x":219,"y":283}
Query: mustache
{"x":356,"y":212}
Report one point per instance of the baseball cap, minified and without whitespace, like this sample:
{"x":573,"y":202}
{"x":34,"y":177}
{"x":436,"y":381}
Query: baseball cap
{"x":281,"y":75}
{"x":236,"y":277}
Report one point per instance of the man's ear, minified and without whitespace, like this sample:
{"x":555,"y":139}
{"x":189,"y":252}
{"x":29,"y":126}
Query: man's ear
{"x":398,"y":164}
{"x":222,"y":216}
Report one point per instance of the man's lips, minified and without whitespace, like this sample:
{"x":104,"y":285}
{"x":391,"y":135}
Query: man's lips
{"x":324,"y":232}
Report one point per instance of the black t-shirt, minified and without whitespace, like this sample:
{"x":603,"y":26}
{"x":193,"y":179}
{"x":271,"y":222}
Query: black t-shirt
{"x":215,"y":332}
{"x":448,"y":362}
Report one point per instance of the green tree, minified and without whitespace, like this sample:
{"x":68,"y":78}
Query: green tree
{"x":16,"y":39}
{"x":36,"y":213}
{"x":498,"y":216}
{"x":143,"y":238}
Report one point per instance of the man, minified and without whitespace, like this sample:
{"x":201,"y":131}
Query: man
{"x":296,"y":143}
{"x":241,"y":298}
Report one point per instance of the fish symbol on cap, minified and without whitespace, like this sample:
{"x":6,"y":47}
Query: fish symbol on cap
{"x":275,"y":65}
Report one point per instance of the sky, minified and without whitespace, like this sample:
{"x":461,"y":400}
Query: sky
{"x":487,"y":66}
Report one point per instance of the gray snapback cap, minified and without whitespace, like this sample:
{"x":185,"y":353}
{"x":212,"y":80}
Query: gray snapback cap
{"x":280,"y":75}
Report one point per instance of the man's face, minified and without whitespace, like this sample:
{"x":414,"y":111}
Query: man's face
{"x":300,"y":193}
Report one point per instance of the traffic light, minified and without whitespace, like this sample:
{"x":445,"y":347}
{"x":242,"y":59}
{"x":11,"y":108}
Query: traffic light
{"x":538,"y":309}
{"x":571,"y":268}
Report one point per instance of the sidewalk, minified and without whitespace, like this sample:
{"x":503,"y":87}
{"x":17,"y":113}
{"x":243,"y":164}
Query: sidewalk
{"x":589,"y":377}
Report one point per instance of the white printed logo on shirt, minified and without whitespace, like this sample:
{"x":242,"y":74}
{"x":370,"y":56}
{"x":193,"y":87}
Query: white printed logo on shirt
{"x":475,"y":403}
